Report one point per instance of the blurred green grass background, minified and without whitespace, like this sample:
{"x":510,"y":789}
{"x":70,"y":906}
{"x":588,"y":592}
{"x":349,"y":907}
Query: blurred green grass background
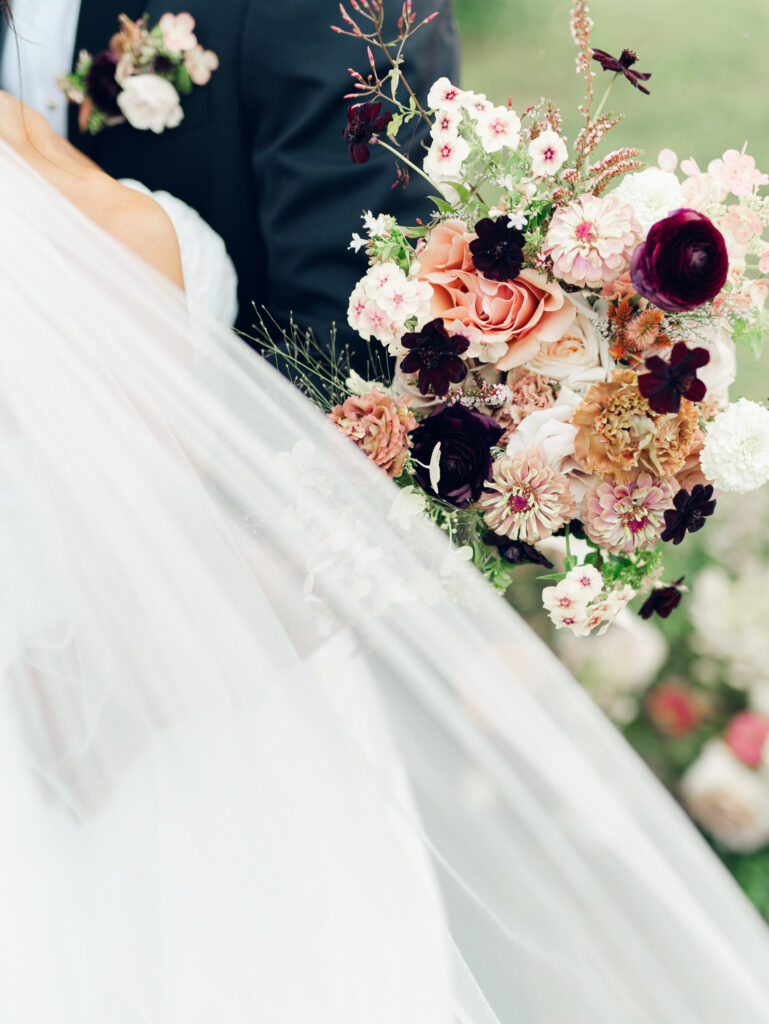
{"x":709,"y":86}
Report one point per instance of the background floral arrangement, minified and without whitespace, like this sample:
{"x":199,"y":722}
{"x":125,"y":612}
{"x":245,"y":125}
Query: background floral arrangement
{"x":692,"y":696}
{"x":563,"y":332}
{"x":141,"y":75}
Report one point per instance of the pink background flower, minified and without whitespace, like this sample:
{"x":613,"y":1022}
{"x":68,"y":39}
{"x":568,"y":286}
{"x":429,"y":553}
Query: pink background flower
{"x":746,"y":735}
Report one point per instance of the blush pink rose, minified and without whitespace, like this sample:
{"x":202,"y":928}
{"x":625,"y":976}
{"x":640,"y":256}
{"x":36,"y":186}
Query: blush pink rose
{"x":379,"y":425}
{"x":746,"y":735}
{"x":522,"y":313}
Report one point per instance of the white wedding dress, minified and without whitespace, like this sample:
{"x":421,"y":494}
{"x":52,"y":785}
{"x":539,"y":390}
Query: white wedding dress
{"x":267,"y":753}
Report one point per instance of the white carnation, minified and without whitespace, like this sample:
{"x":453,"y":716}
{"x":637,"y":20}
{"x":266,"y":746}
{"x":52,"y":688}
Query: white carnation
{"x":729,"y":800}
{"x":652,"y":194}
{"x":735,"y":455}
{"x":150,"y":103}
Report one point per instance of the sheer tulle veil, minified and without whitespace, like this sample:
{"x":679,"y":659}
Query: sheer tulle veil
{"x":268,"y":752}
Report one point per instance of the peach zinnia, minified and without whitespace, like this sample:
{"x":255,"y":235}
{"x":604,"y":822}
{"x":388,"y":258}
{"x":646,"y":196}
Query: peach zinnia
{"x":526,"y":499}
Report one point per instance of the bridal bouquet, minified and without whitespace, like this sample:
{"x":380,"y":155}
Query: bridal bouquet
{"x":562,"y":330}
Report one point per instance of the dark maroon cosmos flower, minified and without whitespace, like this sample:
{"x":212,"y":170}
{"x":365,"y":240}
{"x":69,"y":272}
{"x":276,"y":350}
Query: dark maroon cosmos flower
{"x":434,"y":354}
{"x":363,"y":121}
{"x":498,"y":249}
{"x":623,"y":64}
{"x":662,"y":600}
{"x":516,"y":551}
{"x":682,"y":264}
{"x":689,"y":513}
{"x":664,"y":384}
{"x":101,"y":85}
{"x":466,"y":437}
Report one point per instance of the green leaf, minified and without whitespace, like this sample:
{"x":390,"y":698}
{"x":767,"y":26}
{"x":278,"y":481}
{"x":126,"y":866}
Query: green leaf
{"x":464,"y":192}
{"x":394,"y":126}
{"x":442,"y":205}
{"x":183,"y":80}
{"x":395,"y":78}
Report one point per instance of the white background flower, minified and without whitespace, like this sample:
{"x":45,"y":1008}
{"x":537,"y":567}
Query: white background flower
{"x":730,"y":800}
{"x":149,"y":102}
{"x":548,"y":153}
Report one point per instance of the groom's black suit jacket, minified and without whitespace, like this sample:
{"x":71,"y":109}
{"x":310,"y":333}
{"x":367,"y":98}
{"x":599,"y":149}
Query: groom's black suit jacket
{"x":259,"y":153}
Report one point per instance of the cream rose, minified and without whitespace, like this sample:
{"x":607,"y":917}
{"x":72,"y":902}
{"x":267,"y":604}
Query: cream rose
{"x":729,"y":800}
{"x":719,"y":374}
{"x":579,"y":358}
{"x":150,"y":103}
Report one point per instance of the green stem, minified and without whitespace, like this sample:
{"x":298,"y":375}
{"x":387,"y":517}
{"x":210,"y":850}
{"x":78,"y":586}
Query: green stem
{"x":405,"y":160}
{"x":601,"y":105}
{"x":396,"y":67}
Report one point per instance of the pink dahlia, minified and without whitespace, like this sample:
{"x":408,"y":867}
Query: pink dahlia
{"x":629,"y":516}
{"x":379,"y":425}
{"x":591,"y":240}
{"x":526,"y":499}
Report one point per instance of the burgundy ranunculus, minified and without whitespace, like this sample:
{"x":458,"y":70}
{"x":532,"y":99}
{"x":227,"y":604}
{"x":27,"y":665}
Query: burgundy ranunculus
{"x":101,"y":85}
{"x":363,"y":121}
{"x":466,"y":437}
{"x":682,"y":264}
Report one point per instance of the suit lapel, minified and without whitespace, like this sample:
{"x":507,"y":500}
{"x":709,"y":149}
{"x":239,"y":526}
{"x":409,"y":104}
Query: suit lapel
{"x":97,"y":23}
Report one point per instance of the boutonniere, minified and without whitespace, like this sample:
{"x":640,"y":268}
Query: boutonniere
{"x":141,"y":76}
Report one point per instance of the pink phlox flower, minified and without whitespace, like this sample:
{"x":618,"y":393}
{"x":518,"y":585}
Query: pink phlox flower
{"x":177,"y":32}
{"x":201,"y":64}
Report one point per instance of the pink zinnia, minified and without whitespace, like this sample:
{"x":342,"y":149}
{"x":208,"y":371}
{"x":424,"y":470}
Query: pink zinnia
{"x":526,"y":499}
{"x":746,"y":735}
{"x":627,"y":517}
{"x":591,"y":240}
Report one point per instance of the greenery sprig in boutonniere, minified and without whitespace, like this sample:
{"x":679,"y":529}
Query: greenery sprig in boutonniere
{"x":141,"y":76}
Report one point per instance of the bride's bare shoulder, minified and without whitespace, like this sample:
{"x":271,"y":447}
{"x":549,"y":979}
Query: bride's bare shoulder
{"x":134,"y":219}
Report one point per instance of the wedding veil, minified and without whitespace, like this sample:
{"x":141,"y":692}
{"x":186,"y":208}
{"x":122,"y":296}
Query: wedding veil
{"x":268,"y":750}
